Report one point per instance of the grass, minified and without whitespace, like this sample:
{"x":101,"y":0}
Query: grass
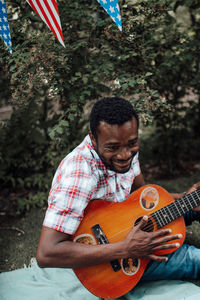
{"x":19,"y":236}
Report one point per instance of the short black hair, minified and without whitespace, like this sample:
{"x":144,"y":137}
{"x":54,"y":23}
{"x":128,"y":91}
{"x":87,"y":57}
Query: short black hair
{"x":112,"y":110}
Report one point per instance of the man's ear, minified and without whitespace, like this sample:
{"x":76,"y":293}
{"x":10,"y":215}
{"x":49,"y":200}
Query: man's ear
{"x":94,"y":143}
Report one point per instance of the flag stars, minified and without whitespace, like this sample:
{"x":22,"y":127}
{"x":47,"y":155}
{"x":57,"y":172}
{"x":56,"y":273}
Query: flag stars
{"x":4,"y":27}
{"x":112,"y":8}
{"x":117,"y":7}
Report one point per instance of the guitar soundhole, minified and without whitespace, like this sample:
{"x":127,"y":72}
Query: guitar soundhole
{"x":149,"y":227}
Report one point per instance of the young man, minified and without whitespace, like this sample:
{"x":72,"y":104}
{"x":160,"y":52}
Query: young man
{"x":106,"y":166}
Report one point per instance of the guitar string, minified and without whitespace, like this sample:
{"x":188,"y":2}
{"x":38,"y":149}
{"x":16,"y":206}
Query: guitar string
{"x":173,"y":210}
{"x":174,"y":213}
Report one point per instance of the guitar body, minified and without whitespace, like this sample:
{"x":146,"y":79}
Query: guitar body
{"x":115,"y":221}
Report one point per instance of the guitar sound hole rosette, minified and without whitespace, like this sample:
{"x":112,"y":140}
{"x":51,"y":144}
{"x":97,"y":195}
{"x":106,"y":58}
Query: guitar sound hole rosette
{"x":130,"y":265}
{"x":86,"y":239}
{"x":149,"y":198}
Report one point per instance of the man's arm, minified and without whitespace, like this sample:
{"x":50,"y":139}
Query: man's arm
{"x":193,"y":188}
{"x":55,"y":248}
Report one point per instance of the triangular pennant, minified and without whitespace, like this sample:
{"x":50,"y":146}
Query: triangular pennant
{"x":112,"y":8}
{"x":48,"y":12}
{"x":4,"y":26}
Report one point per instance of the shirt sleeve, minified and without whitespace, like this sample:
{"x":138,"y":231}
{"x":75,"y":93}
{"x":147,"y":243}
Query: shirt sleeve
{"x":72,"y":189}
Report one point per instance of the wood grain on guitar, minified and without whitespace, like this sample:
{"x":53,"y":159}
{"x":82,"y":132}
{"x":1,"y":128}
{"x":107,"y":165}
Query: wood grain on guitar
{"x":109,"y":222}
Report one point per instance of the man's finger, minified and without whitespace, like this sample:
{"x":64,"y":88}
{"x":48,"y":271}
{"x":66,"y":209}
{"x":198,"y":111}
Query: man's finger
{"x":142,"y":222}
{"x":161,"y":232}
{"x":157,"y":258}
{"x":167,"y":238}
{"x":166,"y":246}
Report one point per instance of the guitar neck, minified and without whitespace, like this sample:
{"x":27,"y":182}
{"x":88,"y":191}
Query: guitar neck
{"x":176,"y":209}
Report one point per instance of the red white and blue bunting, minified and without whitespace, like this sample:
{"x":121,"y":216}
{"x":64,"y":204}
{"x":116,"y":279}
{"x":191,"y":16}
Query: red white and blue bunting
{"x":112,"y":8}
{"x":4,"y":26}
{"x":48,"y":12}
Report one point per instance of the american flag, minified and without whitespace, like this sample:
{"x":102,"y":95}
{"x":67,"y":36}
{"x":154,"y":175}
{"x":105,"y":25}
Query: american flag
{"x":48,"y":12}
{"x":112,"y":8}
{"x":4,"y":26}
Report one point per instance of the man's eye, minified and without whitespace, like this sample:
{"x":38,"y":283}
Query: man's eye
{"x":113,"y":148}
{"x":133,"y":144}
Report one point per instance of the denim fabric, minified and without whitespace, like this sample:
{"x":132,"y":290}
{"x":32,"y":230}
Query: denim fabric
{"x":182,"y":264}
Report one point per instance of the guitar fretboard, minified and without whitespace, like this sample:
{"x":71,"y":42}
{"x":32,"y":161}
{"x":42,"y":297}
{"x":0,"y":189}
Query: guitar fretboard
{"x":176,"y":209}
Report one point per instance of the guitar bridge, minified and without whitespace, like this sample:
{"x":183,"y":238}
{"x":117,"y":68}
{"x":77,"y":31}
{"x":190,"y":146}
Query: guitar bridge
{"x":102,"y":239}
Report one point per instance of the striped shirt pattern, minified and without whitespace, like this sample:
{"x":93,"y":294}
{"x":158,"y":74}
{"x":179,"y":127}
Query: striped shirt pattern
{"x":80,"y":178}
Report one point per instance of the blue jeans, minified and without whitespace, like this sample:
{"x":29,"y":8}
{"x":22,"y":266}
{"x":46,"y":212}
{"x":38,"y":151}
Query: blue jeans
{"x":184,"y":263}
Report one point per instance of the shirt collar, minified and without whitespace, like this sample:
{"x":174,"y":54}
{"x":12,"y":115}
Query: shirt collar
{"x":106,"y":171}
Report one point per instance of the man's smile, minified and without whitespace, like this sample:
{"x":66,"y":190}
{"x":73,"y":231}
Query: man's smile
{"x":123,"y":163}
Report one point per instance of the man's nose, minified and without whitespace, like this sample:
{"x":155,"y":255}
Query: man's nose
{"x":124,"y":154}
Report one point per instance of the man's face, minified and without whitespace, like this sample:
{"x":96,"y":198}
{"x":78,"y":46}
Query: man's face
{"x":116,"y":145}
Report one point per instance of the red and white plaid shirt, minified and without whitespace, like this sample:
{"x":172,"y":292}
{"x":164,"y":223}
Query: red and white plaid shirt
{"x":81,"y":177}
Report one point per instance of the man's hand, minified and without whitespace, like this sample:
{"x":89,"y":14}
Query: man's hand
{"x":142,"y":244}
{"x":195,"y":187}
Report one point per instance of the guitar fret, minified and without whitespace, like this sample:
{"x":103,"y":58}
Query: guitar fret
{"x":158,"y":219}
{"x":193,"y":200}
{"x":196,"y":199}
{"x":173,"y":210}
{"x":183,"y":206}
{"x":186,"y":198}
{"x":110,"y":230}
{"x":166,"y":216}
{"x":197,"y":194}
{"x":160,"y":216}
{"x":178,"y":211}
{"x":169,"y":213}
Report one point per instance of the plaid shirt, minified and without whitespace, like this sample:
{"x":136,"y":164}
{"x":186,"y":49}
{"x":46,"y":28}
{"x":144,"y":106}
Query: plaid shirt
{"x":81,"y":177}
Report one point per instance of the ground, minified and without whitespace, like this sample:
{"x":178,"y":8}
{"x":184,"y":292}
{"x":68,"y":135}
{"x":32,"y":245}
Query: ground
{"x":19,"y":236}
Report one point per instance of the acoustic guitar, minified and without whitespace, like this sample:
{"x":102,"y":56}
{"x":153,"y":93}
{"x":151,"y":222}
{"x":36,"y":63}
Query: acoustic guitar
{"x":109,"y":222}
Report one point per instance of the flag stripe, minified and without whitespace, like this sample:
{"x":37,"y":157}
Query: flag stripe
{"x":55,"y":6}
{"x":53,"y":14}
{"x":44,"y":16}
{"x":48,"y":13}
{"x":51,"y":19}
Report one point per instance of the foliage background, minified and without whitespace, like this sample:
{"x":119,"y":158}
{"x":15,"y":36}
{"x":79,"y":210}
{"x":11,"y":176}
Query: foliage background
{"x":154,"y":63}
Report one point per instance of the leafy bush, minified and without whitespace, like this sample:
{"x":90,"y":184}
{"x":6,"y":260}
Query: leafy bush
{"x":153,"y":62}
